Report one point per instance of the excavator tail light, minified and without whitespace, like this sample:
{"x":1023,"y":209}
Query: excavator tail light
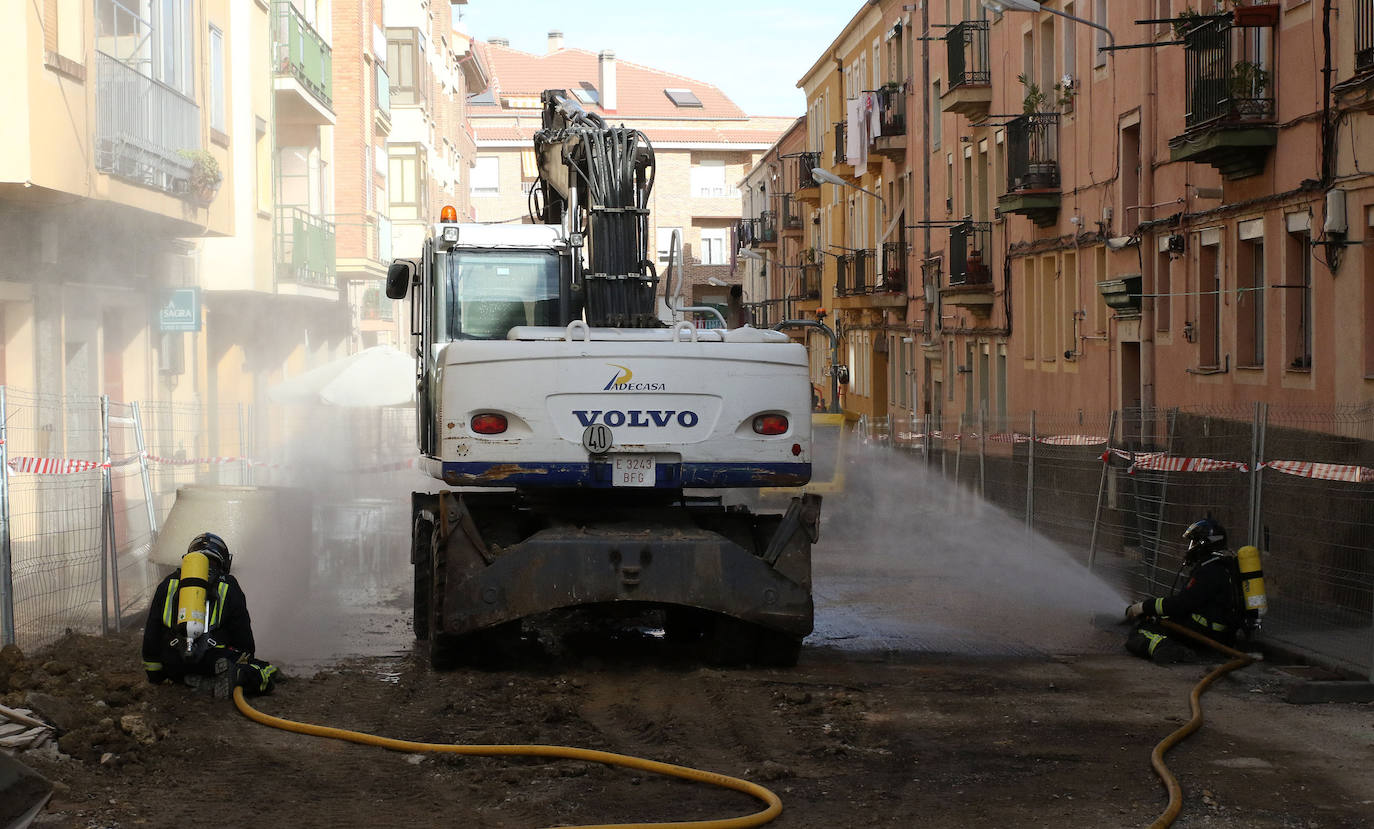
{"x":770,"y":424}
{"x":488,"y":424}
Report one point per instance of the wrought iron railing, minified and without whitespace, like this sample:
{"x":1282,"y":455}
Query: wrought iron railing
{"x":1364,"y":35}
{"x":1033,"y":152}
{"x":790,"y":211}
{"x":305,"y":248}
{"x":141,"y":125}
{"x":970,"y":254}
{"x":844,"y":274}
{"x":302,"y":53}
{"x":893,"y":111}
{"x":805,"y":163}
{"x":1227,"y":77}
{"x":966,"y":47}
{"x":809,"y":285}
{"x":841,"y":156}
{"x":376,"y":305}
{"x":865,"y":265}
{"x":768,"y":226}
{"x":892,"y":277}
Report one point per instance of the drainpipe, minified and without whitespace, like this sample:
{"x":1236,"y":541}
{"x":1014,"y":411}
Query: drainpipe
{"x":1148,"y":258}
{"x":927,"y":318}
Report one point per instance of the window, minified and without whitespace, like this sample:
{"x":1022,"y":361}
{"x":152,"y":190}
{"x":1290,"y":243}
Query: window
{"x":967,"y":371}
{"x":683,"y":97}
{"x":1047,"y":55}
{"x":664,"y":239}
{"x":407,"y":65}
{"x":264,"y":161}
{"x":217,"y":115}
{"x":1049,"y":309}
{"x":714,"y":241}
{"x":1070,"y":44}
{"x":708,"y":179}
{"x":486,"y":293}
{"x":586,"y":94}
{"x":406,"y":177}
{"x":1297,"y":305}
{"x":486,"y":176}
{"x":1209,"y":306}
{"x":1368,"y":319}
{"x":935,"y":115}
{"x":174,"y":58}
{"x":1250,"y":297}
{"x":1163,"y":307}
{"x":1029,"y":292}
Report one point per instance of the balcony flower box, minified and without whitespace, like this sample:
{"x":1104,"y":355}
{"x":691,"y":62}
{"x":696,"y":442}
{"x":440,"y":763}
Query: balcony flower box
{"x":1261,"y":15}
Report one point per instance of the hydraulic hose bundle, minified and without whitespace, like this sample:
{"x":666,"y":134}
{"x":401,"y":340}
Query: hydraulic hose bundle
{"x":612,"y":169}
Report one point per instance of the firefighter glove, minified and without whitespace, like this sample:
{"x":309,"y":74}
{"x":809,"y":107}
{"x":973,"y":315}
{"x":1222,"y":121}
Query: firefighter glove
{"x":1135,"y":611}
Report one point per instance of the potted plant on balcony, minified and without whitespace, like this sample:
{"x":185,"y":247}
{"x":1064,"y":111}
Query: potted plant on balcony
{"x":205,"y":174}
{"x":1247,"y":86}
{"x":1185,"y":22}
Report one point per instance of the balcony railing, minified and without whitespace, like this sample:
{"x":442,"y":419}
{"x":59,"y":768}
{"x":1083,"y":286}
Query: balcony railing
{"x":768,"y":227}
{"x":805,"y":163}
{"x":1227,"y":76}
{"x":892,"y":277}
{"x":791,"y":213}
{"x":303,"y":54}
{"x":844,"y":274}
{"x":383,"y":93}
{"x":140,"y":124}
{"x":809,"y":286}
{"x":970,"y":254}
{"x":966,"y":47}
{"x":893,"y":115}
{"x":305,"y":248}
{"x":841,"y":156}
{"x":1364,"y":35}
{"x":1033,"y":152}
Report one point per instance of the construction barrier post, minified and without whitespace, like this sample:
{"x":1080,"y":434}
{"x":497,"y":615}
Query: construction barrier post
{"x":983,"y":453}
{"x":1101,"y":491}
{"x":245,"y":465}
{"x":143,"y":472}
{"x":1257,"y":430}
{"x":6,"y":559}
{"x":1030,"y":477}
{"x":958,"y":448}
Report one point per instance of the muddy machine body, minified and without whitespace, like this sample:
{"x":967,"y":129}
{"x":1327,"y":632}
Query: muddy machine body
{"x":591,"y":433}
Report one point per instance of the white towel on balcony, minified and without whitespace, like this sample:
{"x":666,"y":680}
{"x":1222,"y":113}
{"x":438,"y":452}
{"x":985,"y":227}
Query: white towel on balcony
{"x":873,"y":105}
{"x":855,"y":136}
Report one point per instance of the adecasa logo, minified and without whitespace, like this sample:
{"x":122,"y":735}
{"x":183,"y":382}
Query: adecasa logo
{"x":623,"y":380}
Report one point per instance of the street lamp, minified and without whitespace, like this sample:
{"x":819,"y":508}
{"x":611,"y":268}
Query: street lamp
{"x":1000,"y":6}
{"x":830,"y":178}
{"x":745,"y":253}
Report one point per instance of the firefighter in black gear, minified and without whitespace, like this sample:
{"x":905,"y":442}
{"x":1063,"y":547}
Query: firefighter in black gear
{"x":220,"y":650}
{"x":1210,"y":603}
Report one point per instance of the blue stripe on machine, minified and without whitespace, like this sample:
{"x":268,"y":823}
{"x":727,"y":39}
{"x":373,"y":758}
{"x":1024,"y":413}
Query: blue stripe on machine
{"x":599,"y":474}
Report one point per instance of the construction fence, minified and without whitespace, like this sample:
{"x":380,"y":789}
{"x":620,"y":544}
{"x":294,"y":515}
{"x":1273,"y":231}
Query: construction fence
{"x":86,"y":482}
{"x":1119,"y":488}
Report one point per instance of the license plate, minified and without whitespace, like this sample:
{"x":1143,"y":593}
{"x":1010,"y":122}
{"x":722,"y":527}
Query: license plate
{"x":633,"y":470}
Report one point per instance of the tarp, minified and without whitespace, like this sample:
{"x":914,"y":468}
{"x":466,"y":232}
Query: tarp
{"x":378,"y":376}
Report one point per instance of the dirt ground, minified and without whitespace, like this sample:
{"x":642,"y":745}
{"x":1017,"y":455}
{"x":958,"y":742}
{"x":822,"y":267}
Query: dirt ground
{"x":844,"y":739}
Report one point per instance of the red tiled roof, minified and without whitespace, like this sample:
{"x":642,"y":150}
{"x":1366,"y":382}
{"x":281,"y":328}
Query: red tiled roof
{"x":639,"y":89}
{"x":660,"y":136}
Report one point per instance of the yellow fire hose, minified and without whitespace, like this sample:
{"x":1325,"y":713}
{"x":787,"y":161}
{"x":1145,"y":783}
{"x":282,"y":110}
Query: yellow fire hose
{"x":562,"y":752}
{"x":1238,"y":660}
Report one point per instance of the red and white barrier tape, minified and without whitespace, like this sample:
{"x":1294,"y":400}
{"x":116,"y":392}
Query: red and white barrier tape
{"x":68,"y":466}
{"x":1323,"y":471}
{"x":52,"y":466}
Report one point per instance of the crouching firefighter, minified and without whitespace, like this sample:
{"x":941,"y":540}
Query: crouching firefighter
{"x":198,"y":631}
{"x":1210,"y":604}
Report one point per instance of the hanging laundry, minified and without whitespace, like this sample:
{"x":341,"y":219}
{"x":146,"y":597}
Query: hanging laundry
{"x":874,"y":107}
{"x":856,"y":134}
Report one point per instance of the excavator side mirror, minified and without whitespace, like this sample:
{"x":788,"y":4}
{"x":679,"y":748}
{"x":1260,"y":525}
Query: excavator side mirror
{"x":398,"y":278}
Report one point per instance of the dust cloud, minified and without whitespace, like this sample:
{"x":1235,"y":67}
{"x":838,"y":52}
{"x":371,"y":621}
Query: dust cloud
{"x":909,"y":561}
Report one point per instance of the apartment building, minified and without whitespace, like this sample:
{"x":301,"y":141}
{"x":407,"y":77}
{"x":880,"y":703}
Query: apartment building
{"x":1078,"y":240}
{"x":703,"y":145}
{"x":430,"y":148}
{"x":113,"y":158}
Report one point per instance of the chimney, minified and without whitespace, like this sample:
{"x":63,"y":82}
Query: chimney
{"x":499,"y":41}
{"x":555,"y":41}
{"x":606,"y":61}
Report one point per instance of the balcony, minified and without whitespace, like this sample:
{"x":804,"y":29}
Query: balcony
{"x":1228,"y":89}
{"x":891,"y":143}
{"x":841,"y":154}
{"x":1364,"y":36}
{"x":140,"y":127}
{"x":1033,"y":168}
{"x":304,"y":71}
{"x":767,"y":235}
{"x":305,"y":254}
{"x":970,"y":73}
{"x":809,"y":284}
{"x":791,"y":214}
{"x":805,"y":188}
{"x":1122,"y":295}
{"x":970,"y":271}
{"x":375,"y":306}
{"x":892,"y":276}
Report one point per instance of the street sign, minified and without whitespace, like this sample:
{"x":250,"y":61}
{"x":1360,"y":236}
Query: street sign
{"x":181,"y":311}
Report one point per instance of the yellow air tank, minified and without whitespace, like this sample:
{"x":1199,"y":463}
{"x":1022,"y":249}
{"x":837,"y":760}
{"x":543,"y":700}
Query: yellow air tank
{"x":191,"y":603}
{"x":1252,"y":584}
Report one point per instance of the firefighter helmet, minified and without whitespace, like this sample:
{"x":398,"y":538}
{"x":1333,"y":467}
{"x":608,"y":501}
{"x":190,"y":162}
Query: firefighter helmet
{"x":214,"y":548}
{"x":1204,"y":537}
